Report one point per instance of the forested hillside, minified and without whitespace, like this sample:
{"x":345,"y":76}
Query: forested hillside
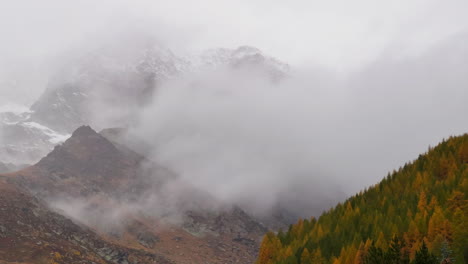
{"x":417,"y":214}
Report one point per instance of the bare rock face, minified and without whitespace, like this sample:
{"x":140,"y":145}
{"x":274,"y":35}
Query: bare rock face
{"x":125,"y":198}
{"x":134,"y":205}
{"x":85,"y":164}
{"x":31,"y":233}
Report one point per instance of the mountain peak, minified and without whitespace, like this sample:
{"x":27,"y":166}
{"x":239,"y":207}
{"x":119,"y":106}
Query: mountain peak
{"x":85,"y":144}
{"x":84,"y":131}
{"x":85,"y":163}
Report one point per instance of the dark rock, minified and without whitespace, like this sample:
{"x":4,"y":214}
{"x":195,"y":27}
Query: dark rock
{"x":147,"y":239}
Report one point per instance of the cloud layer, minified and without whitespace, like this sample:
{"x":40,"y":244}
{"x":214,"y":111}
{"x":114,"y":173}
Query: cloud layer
{"x":372,"y":86}
{"x":310,"y":139}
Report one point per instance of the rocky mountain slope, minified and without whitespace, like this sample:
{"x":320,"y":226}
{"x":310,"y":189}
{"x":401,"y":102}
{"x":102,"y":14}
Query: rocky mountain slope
{"x":31,"y":233}
{"x":107,"y":87}
{"x":132,"y":204}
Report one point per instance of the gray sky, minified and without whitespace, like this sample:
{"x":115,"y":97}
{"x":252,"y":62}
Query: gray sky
{"x":340,"y":34}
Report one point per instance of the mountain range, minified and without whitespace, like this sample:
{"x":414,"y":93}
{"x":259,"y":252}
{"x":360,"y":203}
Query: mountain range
{"x":69,"y":194}
{"x":90,"y":195}
{"x":93,"y":200}
{"x":106,"y":88}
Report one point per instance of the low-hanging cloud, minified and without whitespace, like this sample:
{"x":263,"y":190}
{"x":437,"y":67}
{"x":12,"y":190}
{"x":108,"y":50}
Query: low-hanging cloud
{"x":239,"y":136}
{"x":309,"y":140}
{"x":304,"y":142}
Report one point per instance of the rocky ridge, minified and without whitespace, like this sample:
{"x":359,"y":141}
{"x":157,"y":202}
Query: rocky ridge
{"x":110,"y":189}
{"x":87,"y":88}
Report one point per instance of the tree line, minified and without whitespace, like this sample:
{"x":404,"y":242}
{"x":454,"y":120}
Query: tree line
{"x":416,"y":214}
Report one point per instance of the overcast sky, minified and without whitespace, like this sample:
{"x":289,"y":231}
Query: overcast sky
{"x":339,"y":34}
{"x":331,"y":32}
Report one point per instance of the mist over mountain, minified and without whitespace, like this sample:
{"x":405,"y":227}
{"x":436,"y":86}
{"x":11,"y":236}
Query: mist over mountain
{"x":230,"y":132}
{"x":106,"y":86}
{"x":133,"y":202}
{"x":240,"y":117}
{"x":183,"y":131}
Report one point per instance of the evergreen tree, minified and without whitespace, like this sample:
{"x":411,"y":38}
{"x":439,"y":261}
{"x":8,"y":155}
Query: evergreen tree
{"x":426,"y":199}
{"x":375,"y":255}
{"x":423,"y":256}
{"x":305,"y":257}
{"x":396,"y":253}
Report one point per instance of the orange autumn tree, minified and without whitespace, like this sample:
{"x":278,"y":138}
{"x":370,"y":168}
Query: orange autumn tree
{"x":424,"y":201}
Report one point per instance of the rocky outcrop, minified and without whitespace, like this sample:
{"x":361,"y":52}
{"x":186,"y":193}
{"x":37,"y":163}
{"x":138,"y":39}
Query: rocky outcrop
{"x":30,"y":232}
{"x":123,"y":197}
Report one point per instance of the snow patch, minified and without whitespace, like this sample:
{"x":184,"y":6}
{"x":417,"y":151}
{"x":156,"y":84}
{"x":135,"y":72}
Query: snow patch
{"x":54,"y":137}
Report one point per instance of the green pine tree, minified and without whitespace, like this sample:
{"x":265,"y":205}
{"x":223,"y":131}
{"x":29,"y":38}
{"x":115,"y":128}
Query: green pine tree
{"x":395,"y":253}
{"x":375,"y":255}
{"x":423,"y":256}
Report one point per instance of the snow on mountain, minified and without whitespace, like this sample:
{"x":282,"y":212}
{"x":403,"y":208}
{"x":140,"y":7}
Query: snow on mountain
{"x":107,"y":88}
{"x":103,"y":84}
{"x":242,"y":56}
{"x":54,"y":137}
{"x":23,"y":141}
{"x":87,"y":89}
